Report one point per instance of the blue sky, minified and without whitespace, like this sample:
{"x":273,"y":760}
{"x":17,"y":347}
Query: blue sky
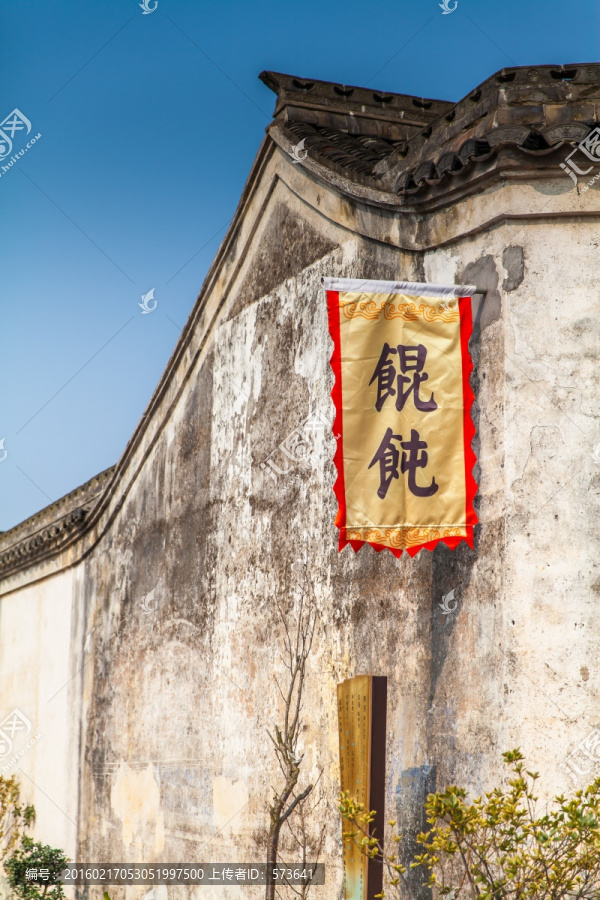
{"x":149,"y":126}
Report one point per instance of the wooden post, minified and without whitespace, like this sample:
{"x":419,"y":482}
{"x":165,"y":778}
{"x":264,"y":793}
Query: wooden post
{"x":362,"y":703}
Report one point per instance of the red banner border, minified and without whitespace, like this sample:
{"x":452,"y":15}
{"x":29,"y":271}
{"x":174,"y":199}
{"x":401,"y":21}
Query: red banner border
{"x":466,"y":330}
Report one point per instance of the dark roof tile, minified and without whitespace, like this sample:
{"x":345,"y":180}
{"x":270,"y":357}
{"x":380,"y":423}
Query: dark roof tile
{"x":400,"y":143}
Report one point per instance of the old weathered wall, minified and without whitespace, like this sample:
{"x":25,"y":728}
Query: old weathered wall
{"x":176,"y":602}
{"x":41,"y":647}
{"x":176,"y":754}
{"x":181,"y":697}
{"x":538,"y":410}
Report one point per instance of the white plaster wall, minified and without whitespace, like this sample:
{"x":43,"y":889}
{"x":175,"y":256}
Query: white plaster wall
{"x":552,"y":426}
{"x":541,"y":467}
{"x":39,"y":677}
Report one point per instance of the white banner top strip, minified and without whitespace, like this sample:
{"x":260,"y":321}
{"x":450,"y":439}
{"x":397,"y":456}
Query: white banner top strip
{"x":412,"y":288}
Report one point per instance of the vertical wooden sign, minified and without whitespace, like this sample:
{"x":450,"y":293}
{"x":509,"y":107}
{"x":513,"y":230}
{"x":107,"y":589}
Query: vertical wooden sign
{"x":362,"y":720}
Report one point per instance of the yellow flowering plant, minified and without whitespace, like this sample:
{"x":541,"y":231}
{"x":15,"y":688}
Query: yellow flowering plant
{"x":496,"y":847}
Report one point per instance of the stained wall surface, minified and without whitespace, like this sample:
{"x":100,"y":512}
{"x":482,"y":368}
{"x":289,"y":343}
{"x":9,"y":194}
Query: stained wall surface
{"x":169,"y":627}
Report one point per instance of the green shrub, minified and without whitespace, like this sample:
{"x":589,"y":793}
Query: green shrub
{"x":47,"y":864}
{"x":496,"y":847}
{"x":14,"y":816}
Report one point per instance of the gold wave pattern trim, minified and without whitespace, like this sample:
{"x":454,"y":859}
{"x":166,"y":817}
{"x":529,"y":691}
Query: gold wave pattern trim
{"x":372,"y":309}
{"x":402,"y":537}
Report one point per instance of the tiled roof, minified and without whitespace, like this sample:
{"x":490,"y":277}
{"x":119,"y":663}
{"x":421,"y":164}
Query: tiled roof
{"x":408,"y":145}
{"x":356,"y":153}
{"x":52,"y":528}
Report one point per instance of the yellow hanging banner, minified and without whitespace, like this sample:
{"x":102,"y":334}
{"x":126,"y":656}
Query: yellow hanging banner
{"x":403,"y":414}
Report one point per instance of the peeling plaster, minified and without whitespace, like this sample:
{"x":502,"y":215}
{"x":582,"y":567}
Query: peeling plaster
{"x":135,"y":800}
{"x":229,"y":800}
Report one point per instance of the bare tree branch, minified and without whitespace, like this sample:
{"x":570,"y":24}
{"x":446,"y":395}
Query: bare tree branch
{"x":297,"y":648}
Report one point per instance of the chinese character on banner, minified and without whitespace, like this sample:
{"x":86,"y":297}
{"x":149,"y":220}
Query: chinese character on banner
{"x":403,"y":400}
